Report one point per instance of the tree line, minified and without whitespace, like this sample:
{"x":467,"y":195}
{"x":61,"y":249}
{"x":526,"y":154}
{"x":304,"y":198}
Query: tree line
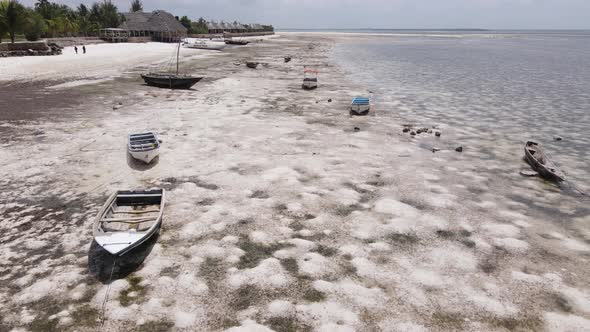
{"x":47,"y":19}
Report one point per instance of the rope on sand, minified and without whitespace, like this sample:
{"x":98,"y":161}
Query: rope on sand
{"x":106,"y":296}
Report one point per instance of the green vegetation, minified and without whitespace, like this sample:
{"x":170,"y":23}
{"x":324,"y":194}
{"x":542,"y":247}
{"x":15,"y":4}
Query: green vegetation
{"x":48,"y":19}
{"x":136,"y":6}
{"x":134,"y":287}
{"x":85,"y":316}
{"x":255,"y":252}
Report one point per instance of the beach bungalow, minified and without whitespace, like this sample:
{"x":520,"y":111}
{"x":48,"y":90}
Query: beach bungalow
{"x":158,"y":25}
{"x":214,"y":27}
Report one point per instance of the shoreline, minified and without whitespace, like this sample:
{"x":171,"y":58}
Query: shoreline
{"x":279,"y":213}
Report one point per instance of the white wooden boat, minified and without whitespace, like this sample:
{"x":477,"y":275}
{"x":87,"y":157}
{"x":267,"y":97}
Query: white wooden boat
{"x":360,"y":106}
{"x":144,"y":146}
{"x":204,"y":44}
{"x":128,"y":219}
{"x":310,"y":79}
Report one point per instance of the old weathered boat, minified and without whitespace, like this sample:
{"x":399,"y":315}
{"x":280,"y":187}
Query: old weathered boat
{"x":171,"y":80}
{"x":540,"y":162}
{"x":144,"y":146}
{"x":360,"y":106}
{"x":251,"y":64}
{"x":310,"y":78}
{"x":128,"y":219}
{"x":239,"y":42}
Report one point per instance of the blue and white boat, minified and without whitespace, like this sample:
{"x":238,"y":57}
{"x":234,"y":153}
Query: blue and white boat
{"x":360,"y":106}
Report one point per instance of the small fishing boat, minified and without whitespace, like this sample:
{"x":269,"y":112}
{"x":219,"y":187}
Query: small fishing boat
{"x":360,"y":106}
{"x":128,"y":219}
{"x":239,"y":42}
{"x":288,"y":59}
{"x":540,"y":162}
{"x":310,"y":79}
{"x":251,"y":64}
{"x":144,"y":147}
{"x":204,"y":44}
{"x":169,"y":80}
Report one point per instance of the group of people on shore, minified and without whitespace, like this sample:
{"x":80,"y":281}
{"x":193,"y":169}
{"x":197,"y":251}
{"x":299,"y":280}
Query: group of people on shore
{"x":83,"y":49}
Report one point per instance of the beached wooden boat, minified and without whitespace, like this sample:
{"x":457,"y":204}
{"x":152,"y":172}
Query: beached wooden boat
{"x":128,"y":219}
{"x":310,"y":79}
{"x":205,"y":44}
{"x":540,"y":162}
{"x":360,"y":106}
{"x":236,"y":42}
{"x":251,"y":64}
{"x":170,"y":80}
{"x":144,"y":146}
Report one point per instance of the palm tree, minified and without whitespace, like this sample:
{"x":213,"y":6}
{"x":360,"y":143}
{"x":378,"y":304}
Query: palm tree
{"x":136,"y":6}
{"x":109,"y":14}
{"x":3,"y":24}
{"x":14,"y":17}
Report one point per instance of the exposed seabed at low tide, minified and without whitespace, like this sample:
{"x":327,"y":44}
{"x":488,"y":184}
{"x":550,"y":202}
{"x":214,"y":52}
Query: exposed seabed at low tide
{"x":279,"y":214}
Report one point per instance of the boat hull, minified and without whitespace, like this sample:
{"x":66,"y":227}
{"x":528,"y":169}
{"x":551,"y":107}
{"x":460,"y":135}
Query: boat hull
{"x":549,"y":172}
{"x":360,"y":109}
{"x":119,"y":243}
{"x":235,"y":42}
{"x":170,"y":82}
{"x":309,"y":86}
{"x":206,"y":45}
{"x":145,"y":156}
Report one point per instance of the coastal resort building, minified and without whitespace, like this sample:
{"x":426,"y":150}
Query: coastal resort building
{"x":221,"y":27}
{"x":158,"y":26}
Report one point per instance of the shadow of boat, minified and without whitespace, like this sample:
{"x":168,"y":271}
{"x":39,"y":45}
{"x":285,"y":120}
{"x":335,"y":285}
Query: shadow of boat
{"x":101,"y":262}
{"x":140,"y":165}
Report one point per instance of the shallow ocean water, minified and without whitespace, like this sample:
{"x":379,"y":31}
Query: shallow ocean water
{"x":492,"y":91}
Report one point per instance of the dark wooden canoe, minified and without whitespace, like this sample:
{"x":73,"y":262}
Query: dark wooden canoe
{"x":540,"y":162}
{"x":251,"y":64}
{"x":170,"y":81}
{"x":236,"y":42}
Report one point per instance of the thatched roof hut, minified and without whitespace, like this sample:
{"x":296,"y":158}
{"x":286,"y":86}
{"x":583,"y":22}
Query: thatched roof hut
{"x":159,"y":25}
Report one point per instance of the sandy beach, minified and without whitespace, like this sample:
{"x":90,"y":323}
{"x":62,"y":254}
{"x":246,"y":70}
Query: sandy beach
{"x":283,"y":212}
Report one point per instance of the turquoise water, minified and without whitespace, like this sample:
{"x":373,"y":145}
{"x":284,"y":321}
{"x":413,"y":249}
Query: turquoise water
{"x":496,"y":90}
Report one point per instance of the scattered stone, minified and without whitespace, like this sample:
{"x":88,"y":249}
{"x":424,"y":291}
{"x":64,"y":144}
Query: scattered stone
{"x":120,"y":103}
{"x":459,"y":149}
{"x":357,"y":129}
{"x":406,"y":130}
{"x":558,"y":138}
{"x":422,"y":130}
{"x":330,"y":100}
{"x":435,"y":150}
{"x":413,"y":133}
{"x":437,"y":133}
{"x":430,"y":131}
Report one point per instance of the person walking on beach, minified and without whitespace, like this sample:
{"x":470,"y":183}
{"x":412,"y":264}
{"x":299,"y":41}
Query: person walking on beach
{"x":76,"y":49}
{"x":83,"y":49}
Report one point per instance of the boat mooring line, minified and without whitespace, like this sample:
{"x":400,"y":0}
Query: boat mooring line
{"x":106,"y":296}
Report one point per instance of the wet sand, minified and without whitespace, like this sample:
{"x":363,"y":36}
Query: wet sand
{"x":279,"y":212}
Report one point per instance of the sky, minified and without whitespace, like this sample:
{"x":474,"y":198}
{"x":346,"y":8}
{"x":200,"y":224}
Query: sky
{"x":381,"y":14}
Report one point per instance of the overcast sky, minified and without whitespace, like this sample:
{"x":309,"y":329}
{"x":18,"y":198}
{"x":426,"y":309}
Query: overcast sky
{"x":402,"y":14}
